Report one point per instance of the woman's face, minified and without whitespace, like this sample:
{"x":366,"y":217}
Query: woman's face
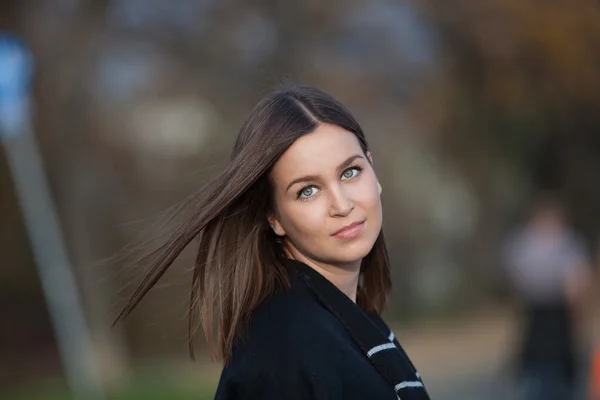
{"x":327,"y":198}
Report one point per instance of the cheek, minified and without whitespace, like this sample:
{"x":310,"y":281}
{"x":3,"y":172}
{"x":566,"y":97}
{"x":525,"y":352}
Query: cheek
{"x":305,"y":219}
{"x":368,"y":195}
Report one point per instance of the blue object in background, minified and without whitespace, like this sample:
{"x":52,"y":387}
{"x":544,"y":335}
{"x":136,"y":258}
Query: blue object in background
{"x":16,"y":67}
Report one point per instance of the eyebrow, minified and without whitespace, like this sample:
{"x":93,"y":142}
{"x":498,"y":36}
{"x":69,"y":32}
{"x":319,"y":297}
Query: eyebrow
{"x":309,"y":178}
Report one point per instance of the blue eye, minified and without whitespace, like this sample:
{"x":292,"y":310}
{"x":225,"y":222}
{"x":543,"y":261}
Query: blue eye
{"x":351,"y":172}
{"x":307,"y":192}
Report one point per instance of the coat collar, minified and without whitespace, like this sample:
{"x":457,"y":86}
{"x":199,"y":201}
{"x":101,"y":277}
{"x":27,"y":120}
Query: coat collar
{"x":370,"y":333}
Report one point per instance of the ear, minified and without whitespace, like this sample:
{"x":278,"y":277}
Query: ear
{"x":371,"y":162}
{"x":276,"y":225}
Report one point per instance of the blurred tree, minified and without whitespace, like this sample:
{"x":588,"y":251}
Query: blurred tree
{"x":526,"y":90}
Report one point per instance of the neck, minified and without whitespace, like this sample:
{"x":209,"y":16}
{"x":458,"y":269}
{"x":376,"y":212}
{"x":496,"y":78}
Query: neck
{"x":343,"y":276}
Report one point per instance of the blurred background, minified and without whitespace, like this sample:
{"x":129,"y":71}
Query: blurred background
{"x":484,"y":123}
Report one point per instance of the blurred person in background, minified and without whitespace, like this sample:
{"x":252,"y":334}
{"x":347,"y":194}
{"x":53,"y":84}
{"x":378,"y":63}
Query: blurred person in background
{"x":292,"y":270}
{"x":549,"y":269}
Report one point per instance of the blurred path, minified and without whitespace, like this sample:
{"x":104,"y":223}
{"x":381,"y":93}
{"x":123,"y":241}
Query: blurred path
{"x":470,"y":358}
{"x":466,"y":358}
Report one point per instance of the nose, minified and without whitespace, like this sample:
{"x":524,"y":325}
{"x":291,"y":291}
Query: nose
{"x":340,"y":203}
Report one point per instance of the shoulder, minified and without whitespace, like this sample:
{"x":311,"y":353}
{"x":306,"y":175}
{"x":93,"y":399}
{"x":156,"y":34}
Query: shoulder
{"x":290,"y":341}
{"x":576,"y":245}
{"x":287,"y":324}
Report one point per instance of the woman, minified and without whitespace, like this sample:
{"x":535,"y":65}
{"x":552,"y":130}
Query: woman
{"x":292,"y":270}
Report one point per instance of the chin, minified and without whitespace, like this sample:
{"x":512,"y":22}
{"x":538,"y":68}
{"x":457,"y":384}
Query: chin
{"x":354,"y":251}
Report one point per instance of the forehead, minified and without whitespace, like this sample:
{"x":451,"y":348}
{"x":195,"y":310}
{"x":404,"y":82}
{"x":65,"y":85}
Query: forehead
{"x":317,"y":151}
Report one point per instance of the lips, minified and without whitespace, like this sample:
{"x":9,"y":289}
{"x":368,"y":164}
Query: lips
{"x":348,"y":228}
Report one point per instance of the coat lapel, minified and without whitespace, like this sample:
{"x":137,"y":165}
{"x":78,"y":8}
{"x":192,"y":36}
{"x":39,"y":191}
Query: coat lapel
{"x":370,"y":333}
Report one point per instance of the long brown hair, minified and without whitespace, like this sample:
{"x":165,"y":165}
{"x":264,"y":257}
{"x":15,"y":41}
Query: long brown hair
{"x":239,"y":262}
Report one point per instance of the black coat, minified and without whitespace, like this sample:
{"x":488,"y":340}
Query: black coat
{"x":313,"y":342}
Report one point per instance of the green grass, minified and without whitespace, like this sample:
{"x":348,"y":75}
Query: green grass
{"x":143,"y":388}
